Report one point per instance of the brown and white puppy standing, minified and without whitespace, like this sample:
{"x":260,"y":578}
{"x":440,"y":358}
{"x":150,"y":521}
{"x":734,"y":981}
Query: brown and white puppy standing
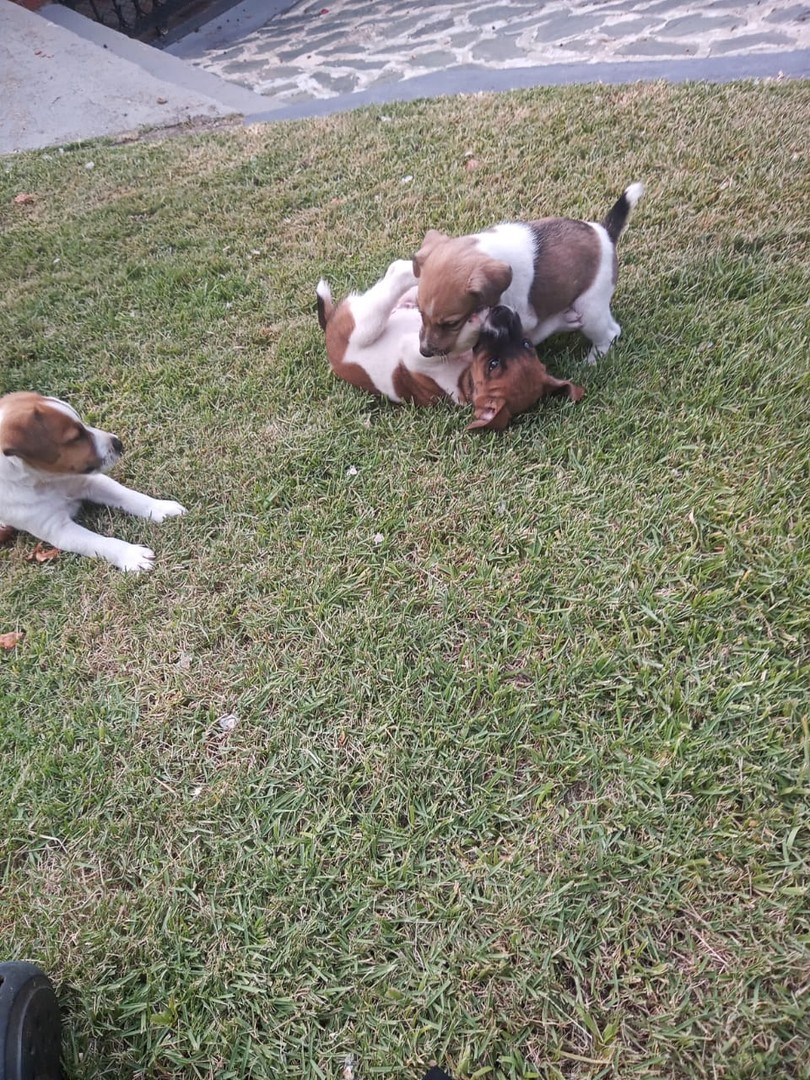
{"x":557,"y":273}
{"x":50,"y":462}
{"x":372,"y":342}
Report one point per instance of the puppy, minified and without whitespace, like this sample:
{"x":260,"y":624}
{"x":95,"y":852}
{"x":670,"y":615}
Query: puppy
{"x":505,"y":377}
{"x":557,"y":273}
{"x":49,"y":463}
{"x":372,"y":341}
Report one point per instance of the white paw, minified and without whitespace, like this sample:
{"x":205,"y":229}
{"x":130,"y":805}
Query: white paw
{"x":401,"y":268}
{"x":165,"y":508}
{"x":135,"y":559}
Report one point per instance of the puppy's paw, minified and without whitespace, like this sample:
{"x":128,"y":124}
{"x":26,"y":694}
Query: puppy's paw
{"x":165,"y":508}
{"x":135,"y":559}
{"x":575,"y":393}
{"x":400,"y":268}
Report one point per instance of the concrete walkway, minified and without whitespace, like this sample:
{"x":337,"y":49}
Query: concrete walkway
{"x":78,"y":80}
{"x":64,"y":78}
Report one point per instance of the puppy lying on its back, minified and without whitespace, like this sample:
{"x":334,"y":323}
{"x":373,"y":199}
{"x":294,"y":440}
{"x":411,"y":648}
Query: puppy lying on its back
{"x":372,"y":341}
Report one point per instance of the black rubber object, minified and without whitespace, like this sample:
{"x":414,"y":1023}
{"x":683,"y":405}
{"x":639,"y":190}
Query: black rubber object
{"x":30,"y":1027}
{"x":437,"y":1074}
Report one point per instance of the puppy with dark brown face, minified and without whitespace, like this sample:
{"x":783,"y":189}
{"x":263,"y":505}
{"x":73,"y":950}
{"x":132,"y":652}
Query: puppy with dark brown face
{"x":557,"y":273}
{"x":505,"y":377}
{"x":50,"y":462}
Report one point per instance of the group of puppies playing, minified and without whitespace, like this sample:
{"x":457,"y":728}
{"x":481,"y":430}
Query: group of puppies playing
{"x":459,"y":322}
{"x":462,"y":319}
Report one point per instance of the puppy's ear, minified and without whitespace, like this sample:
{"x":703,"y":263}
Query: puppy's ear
{"x":493,"y":416}
{"x":432,"y":239}
{"x":29,"y":438}
{"x":489,"y":280}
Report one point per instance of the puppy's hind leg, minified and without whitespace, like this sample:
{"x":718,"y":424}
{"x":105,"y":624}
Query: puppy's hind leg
{"x":602,"y":330}
{"x":373,"y":308}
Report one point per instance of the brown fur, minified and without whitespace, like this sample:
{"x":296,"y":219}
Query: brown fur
{"x":337,"y":322}
{"x":44,"y":436}
{"x":569,"y":253}
{"x":417,"y":388}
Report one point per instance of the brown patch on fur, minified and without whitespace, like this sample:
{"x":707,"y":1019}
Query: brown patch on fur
{"x":416,"y":387}
{"x":339,"y":328}
{"x":45,"y":437}
{"x":568,"y":256}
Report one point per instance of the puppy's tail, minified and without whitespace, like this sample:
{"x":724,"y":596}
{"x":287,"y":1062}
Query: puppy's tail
{"x":616,"y":220}
{"x":325,"y":305}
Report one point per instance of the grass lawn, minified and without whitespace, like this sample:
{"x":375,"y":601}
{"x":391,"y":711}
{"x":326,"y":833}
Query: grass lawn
{"x":521,"y":788}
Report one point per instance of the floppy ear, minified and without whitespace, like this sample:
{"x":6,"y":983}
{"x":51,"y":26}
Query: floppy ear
{"x":494,"y":416}
{"x":489,"y":280}
{"x":29,"y":439}
{"x":432,"y":239}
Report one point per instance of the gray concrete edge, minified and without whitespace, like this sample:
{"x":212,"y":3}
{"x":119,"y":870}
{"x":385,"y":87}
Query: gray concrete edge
{"x":159,"y":64}
{"x":470,"y":79}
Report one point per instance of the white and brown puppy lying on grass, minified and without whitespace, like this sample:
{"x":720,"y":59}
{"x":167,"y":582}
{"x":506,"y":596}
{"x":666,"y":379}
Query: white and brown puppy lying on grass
{"x":372,"y":341}
{"x":50,"y":462}
{"x":557,"y":273}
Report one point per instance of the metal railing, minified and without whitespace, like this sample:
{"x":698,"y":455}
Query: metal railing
{"x":135,"y":18}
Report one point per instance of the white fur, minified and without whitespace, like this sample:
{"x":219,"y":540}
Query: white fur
{"x":593,"y":306}
{"x":633,"y":193}
{"x":514,"y":243}
{"x":44,"y":504}
{"x":386,"y":334}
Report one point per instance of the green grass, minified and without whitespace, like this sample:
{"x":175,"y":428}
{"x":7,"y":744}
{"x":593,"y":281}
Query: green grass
{"x":523,"y":787}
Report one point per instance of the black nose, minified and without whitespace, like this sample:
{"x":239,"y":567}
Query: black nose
{"x":425,"y":350}
{"x":117,"y":445}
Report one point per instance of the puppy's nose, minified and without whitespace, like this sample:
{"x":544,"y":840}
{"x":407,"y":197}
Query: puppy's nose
{"x":425,"y":350}
{"x":117,"y":445}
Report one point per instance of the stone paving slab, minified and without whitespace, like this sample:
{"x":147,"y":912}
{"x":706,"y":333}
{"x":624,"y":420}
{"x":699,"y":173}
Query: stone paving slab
{"x":318,"y":50}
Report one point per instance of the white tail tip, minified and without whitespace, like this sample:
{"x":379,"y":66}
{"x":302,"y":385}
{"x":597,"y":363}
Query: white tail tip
{"x":634,"y":193}
{"x":323,"y":290}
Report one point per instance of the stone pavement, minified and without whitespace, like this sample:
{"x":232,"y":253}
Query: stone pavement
{"x":322,"y":50}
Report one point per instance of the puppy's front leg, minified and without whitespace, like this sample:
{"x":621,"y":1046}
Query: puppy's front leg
{"x":68,"y":536}
{"x":108,"y":492}
{"x":561,"y":386}
{"x":373,"y":309}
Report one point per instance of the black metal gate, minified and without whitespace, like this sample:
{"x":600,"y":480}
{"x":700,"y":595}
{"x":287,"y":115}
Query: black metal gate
{"x":136,"y":18}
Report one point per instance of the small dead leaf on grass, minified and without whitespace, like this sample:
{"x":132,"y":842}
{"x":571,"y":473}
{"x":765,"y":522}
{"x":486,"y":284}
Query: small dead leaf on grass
{"x":24,"y":198}
{"x":12,"y":639}
{"x":42,"y":553}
